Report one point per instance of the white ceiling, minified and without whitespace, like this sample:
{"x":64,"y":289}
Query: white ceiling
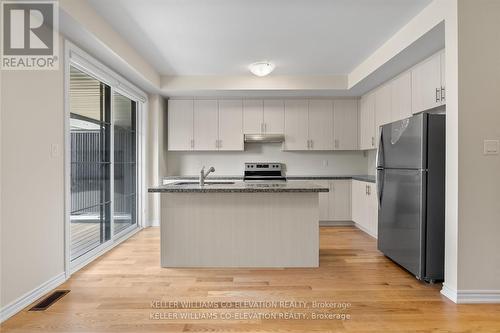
{"x":221,"y":37}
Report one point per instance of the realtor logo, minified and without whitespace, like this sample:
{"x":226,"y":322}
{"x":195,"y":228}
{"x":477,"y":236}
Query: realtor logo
{"x":29,"y":35}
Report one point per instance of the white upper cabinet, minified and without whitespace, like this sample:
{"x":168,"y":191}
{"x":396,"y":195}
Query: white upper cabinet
{"x":418,"y":89}
{"x":253,"y":116}
{"x":427,"y":84}
{"x":296,"y":125}
{"x":320,"y":124}
{"x":367,"y":122}
{"x":205,"y":125}
{"x":401,"y":97}
{"x":383,"y":106}
{"x":263,"y":116}
{"x":180,"y":125}
{"x":274,"y":116}
{"x":230,"y":125}
{"x":443,"y":76}
{"x":345,"y":124}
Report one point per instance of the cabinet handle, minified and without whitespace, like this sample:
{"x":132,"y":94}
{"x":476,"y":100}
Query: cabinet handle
{"x":265,"y":127}
{"x":336,"y":143}
{"x":308,"y":144}
{"x":312,"y":143}
{"x":438,"y":98}
{"x":373,"y":141}
{"x":443,"y":94}
{"x":192,"y":143}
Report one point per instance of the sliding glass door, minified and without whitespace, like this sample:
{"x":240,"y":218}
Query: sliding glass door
{"x":103,"y":163}
{"x":125,"y":156}
{"x":90,"y":121}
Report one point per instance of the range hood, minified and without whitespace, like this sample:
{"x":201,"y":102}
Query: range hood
{"x":264,"y":138}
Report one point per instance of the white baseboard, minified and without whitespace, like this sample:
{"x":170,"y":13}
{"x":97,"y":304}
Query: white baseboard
{"x":28,"y":298}
{"x":154,"y":223}
{"x":449,"y":293}
{"x":471,"y":296}
{"x":14,"y":307}
{"x":335,"y":223}
{"x":360,"y":227}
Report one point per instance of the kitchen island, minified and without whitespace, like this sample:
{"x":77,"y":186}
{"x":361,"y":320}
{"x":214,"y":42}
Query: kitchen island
{"x":239,"y":224}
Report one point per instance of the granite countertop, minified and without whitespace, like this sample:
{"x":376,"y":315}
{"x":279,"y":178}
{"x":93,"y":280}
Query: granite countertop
{"x":364,"y":178}
{"x":239,"y":186}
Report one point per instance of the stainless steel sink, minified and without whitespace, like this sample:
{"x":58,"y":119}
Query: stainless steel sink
{"x":206,"y":183}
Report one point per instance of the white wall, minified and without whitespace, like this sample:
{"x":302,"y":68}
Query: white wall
{"x":452,"y":150}
{"x":87,"y":24}
{"x":297,"y":163}
{"x":31,"y":177}
{"x":32,"y":212}
{"x":372,"y":162}
{"x":156,"y":143}
{"x":479,"y":119}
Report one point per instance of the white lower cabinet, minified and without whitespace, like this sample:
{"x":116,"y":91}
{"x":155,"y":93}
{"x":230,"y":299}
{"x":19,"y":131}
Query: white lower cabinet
{"x":336,"y":204}
{"x":324,"y":201}
{"x":365,"y":206}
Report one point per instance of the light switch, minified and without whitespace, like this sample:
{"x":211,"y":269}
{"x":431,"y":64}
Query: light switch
{"x":55,"y":151}
{"x":491,"y":147}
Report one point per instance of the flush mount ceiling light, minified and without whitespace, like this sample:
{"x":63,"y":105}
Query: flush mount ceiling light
{"x":261,"y":68}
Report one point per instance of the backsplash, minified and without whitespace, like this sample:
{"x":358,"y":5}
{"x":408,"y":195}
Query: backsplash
{"x":372,"y":161}
{"x":297,"y":163}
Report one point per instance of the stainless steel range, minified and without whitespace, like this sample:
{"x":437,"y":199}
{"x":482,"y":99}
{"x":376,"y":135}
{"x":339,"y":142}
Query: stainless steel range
{"x":264,"y":173}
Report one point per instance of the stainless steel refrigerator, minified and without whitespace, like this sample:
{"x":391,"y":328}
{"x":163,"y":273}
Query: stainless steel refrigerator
{"x":411,"y":194}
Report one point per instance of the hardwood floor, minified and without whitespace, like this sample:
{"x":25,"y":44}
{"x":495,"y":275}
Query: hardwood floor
{"x":116,"y":293}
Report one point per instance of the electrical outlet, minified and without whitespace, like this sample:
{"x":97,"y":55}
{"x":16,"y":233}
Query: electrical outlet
{"x":491,"y":147}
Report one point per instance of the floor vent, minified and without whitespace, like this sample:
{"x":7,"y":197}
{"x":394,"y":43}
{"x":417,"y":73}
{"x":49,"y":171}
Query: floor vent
{"x":49,"y":300}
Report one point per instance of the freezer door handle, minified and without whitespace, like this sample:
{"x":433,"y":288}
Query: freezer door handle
{"x":380,"y":158}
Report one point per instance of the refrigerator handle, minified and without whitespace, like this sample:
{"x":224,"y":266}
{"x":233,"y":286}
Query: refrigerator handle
{"x":380,"y":186}
{"x":379,"y":178}
{"x":380,"y":157}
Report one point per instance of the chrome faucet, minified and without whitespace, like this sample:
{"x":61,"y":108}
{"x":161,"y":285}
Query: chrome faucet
{"x":204,"y":175}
